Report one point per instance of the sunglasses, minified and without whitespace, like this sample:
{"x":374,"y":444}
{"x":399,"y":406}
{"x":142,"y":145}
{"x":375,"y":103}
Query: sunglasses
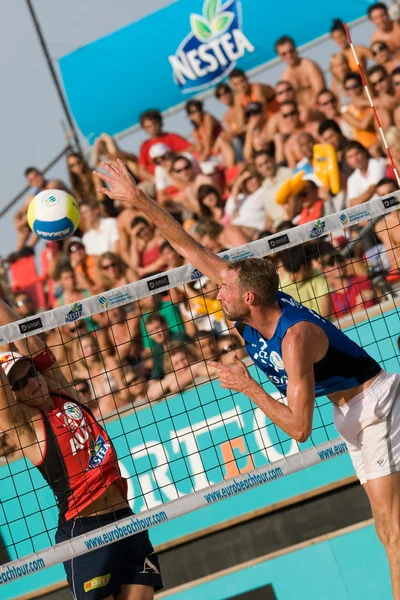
{"x":291,"y":51}
{"x":194,"y":112}
{"x":285,"y":91}
{"x":187,"y":168}
{"x":228,"y":348}
{"x":110,"y":266}
{"x":83,"y":390}
{"x":292,"y":113}
{"x":75,"y":248}
{"x":74,"y":164}
{"x":23,"y":302}
{"x":378,"y":49}
{"x":160,"y":159}
{"x":20,"y":384}
{"x":355,"y":86}
{"x":226,"y":93}
{"x":381,"y":80}
{"x":304,"y":193}
{"x":328,"y":102}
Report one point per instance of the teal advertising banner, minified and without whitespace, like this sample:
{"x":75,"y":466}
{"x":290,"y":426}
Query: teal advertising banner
{"x":187,"y":47}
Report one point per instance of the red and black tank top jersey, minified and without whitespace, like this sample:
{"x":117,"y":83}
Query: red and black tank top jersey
{"x":79,"y":461}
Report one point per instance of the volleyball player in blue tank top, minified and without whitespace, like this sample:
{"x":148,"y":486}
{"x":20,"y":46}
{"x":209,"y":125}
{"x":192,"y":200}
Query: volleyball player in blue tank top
{"x":305,"y":356}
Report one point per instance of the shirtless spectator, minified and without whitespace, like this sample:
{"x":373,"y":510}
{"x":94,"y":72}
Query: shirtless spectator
{"x":359,"y":114}
{"x":152,"y":122}
{"x":233,"y":122}
{"x":187,"y":181}
{"x":384,"y":98}
{"x":101,"y":233}
{"x":304,"y":74}
{"x":362,"y":184}
{"x":284,"y":92}
{"x":339,"y":36}
{"x":330,"y":133}
{"x":388,"y":228}
{"x":246,"y":93}
{"x":328,"y":105}
{"x":207,"y":132}
{"x":393,"y":141}
{"x":383,"y":56}
{"x":395,"y":77}
{"x":386,"y":30}
{"x":288,"y":150}
{"x":37,"y":180}
{"x":273,"y":177}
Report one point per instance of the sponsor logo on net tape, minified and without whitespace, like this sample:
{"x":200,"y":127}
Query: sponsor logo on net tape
{"x":347,"y":219}
{"x":196,"y":274}
{"x":280,"y":240}
{"x":111,"y":301}
{"x":212,"y":48}
{"x":31,"y":325}
{"x":238,"y":256}
{"x":390,"y":202}
{"x":158,"y":282}
{"x":318,"y":229}
{"x":75,"y":312}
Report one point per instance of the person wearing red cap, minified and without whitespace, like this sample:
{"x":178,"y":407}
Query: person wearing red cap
{"x":44,"y":417}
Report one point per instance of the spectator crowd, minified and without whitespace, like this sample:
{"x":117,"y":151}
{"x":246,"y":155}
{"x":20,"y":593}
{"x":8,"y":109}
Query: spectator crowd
{"x":235,"y":180}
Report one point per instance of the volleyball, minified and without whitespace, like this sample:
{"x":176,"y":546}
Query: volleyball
{"x":53,"y":215}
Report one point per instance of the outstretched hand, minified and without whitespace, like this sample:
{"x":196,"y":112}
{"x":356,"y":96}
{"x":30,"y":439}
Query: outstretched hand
{"x":122,"y":186}
{"x":234,"y":377}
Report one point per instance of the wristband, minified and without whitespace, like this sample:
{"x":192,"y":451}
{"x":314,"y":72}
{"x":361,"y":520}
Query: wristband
{"x":44,"y":360}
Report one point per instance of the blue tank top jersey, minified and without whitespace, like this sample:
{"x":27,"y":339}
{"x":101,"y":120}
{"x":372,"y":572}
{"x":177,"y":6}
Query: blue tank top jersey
{"x":344,"y":366}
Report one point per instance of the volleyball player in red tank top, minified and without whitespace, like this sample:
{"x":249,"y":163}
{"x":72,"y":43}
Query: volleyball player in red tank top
{"x":43,"y":415}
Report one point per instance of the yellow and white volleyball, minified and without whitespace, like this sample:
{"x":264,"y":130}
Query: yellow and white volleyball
{"x":53,"y":215}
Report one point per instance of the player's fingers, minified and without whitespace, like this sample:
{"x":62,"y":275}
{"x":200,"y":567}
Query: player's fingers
{"x":216,"y":365}
{"x":103,"y":176}
{"x":105,"y":191}
{"x":109,"y":167}
{"x":122,"y":166}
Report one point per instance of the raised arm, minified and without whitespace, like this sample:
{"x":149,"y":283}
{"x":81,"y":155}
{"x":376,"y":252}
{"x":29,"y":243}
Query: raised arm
{"x":122,"y":188}
{"x":42,"y":356}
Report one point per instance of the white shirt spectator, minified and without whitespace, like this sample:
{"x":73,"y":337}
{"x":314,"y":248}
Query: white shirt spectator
{"x":271,"y":186}
{"x":357,"y":183}
{"x":103,"y":239}
{"x":250,"y":209}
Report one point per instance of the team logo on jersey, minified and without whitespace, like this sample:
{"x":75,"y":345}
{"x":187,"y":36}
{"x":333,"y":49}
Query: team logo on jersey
{"x":97,"y":451}
{"x":72,"y":411}
{"x":277,"y":361}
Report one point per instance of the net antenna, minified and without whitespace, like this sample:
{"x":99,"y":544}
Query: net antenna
{"x":371,"y":102}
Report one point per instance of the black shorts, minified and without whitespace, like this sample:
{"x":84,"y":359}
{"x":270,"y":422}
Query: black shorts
{"x":100,"y":573}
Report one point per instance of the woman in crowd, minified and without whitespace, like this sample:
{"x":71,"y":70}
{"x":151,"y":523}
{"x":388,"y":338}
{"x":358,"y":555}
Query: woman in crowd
{"x":207,"y":134}
{"x":339,"y":36}
{"x":245,"y":207}
{"x":113,"y":271}
{"x":106,"y":148}
{"x":84,"y":184}
{"x":211,"y":204}
{"x":359,"y":114}
{"x":146,"y":257}
{"x":103,"y":373}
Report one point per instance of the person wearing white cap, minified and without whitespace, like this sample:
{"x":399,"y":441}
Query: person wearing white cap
{"x":43,"y":416}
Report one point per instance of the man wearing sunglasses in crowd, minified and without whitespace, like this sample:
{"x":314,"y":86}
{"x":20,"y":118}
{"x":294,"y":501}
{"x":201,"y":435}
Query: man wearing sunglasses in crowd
{"x":45,"y":417}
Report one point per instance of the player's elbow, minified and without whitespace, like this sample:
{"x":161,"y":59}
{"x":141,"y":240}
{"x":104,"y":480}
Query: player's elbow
{"x":302,"y":433}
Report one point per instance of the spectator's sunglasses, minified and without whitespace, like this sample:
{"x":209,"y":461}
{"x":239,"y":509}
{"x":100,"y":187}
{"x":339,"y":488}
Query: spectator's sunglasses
{"x":83,"y":390}
{"x":332,"y":261}
{"x":355,"y":86}
{"x":292,"y":113}
{"x":75,"y":163}
{"x":283,"y":91}
{"x":75,"y":247}
{"x":228,"y":348}
{"x":185,"y":168}
{"x":290,"y":51}
{"x":375,"y":51}
{"x":224,"y":93}
{"x":304,"y":192}
{"x":378,"y":81}
{"x":21,"y":384}
{"x":23,"y":302}
{"x":328,"y":102}
{"x":109,"y":266}
{"x":160,"y":159}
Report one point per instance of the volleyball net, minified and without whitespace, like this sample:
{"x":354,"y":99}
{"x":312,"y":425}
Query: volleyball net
{"x":138,"y":357}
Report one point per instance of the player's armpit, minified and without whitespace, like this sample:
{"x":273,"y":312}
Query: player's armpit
{"x":298,"y":358}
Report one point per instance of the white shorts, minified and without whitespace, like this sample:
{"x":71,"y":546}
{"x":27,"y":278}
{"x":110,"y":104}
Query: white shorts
{"x":370,"y":426}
